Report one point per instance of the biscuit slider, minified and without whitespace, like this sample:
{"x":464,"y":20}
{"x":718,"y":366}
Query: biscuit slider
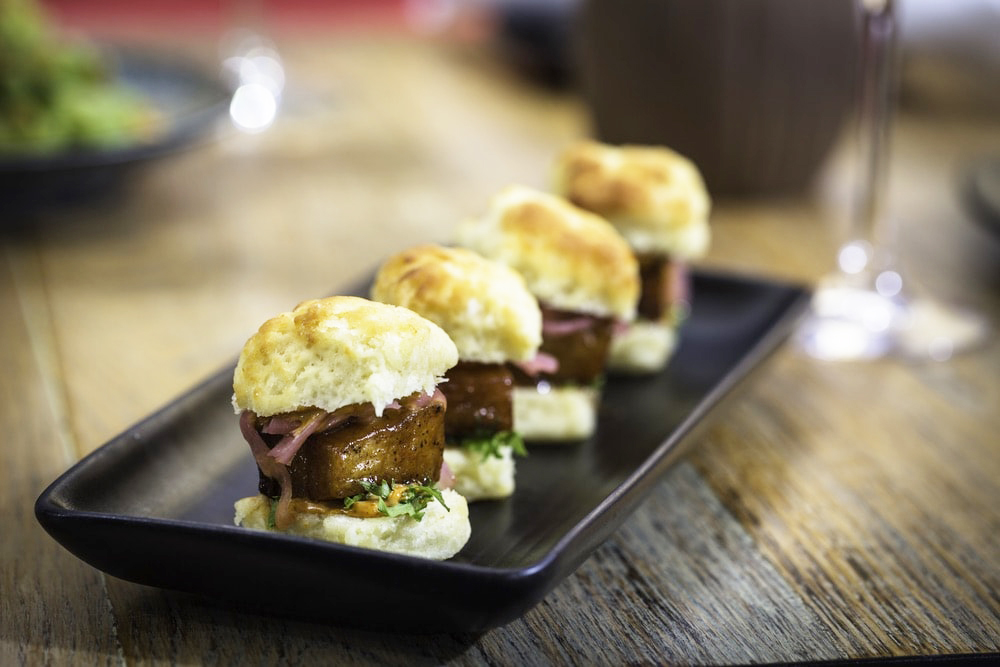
{"x":487,"y":310}
{"x":657,"y":200}
{"x":586,"y":280}
{"x":339,"y":403}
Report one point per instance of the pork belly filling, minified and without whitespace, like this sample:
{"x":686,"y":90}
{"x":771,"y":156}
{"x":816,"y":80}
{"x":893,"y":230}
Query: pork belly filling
{"x":579,"y":344}
{"x":479,"y":400}
{"x":664,"y":286}
{"x":352,"y":447}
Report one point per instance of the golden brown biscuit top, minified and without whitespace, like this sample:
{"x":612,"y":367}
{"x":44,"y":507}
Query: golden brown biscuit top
{"x":569,"y":258}
{"x":337,"y":351}
{"x":655,"y":196}
{"x":483,"y":305}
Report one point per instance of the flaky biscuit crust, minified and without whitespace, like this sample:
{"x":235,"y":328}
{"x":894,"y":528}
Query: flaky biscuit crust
{"x":570,"y":259}
{"x":484,"y":306}
{"x":337,"y":351}
{"x":654,"y":196}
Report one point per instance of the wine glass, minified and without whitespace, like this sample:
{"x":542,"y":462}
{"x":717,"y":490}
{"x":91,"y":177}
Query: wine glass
{"x":866,"y":309}
{"x":253,"y":69}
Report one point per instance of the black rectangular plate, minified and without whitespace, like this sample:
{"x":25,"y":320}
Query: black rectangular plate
{"x":155,"y":504}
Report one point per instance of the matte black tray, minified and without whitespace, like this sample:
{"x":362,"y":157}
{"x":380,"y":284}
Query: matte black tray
{"x":155,"y":504}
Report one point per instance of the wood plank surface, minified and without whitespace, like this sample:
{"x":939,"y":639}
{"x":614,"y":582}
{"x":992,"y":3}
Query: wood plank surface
{"x":53,"y":608}
{"x":869,"y":514}
{"x":830,"y":511}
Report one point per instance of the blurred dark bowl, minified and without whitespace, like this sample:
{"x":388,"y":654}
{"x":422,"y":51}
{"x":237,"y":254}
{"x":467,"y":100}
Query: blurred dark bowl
{"x":754,"y":91}
{"x":188,"y":100}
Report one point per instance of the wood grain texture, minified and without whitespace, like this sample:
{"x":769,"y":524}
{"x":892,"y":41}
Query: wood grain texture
{"x":681,"y":582}
{"x":872,"y":511}
{"x":832,"y":511}
{"x":53,"y":608}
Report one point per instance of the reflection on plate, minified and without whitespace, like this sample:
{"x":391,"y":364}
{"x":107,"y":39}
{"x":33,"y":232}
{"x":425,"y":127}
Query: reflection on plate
{"x":187,"y":100}
{"x":155,"y":504}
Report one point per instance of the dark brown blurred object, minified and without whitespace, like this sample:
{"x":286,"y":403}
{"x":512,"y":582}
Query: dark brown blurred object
{"x":754,"y":91}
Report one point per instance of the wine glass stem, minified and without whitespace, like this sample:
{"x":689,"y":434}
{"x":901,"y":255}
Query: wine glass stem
{"x":874,"y":112}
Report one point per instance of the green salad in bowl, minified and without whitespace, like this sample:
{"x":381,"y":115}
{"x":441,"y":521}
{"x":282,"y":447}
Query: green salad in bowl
{"x":58,"y":95}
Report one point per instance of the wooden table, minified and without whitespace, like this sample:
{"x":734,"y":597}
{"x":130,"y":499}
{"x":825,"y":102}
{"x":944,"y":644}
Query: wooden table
{"x":832,"y":511}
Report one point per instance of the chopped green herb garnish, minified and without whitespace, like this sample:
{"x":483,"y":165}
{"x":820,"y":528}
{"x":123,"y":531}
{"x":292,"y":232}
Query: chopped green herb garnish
{"x":379,"y":490}
{"x":489,"y":444}
{"x":271,"y":513}
{"x":678,"y":313}
{"x":412,"y":501}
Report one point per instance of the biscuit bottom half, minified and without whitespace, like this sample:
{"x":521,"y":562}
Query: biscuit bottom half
{"x":439,"y":535}
{"x":644,"y":347}
{"x":558,"y":414}
{"x":477,"y":478}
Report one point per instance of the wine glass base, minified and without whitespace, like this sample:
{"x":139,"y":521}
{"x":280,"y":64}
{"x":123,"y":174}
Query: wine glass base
{"x":850,"y":322}
{"x":936,"y":331}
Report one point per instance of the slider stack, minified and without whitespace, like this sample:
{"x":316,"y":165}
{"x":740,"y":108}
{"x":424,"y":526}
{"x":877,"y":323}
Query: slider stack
{"x":339,"y":403}
{"x":586,"y":279}
{"x":496,"y":324}
{"x":657,"y":200}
